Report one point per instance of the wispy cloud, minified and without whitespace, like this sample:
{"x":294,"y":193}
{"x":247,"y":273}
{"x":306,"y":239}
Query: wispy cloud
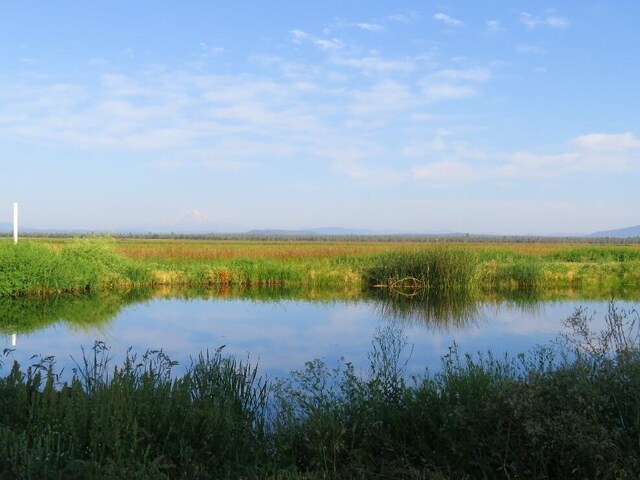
{"x":530,"y":49}
{"x":442,"y":91}
{"x":494,"y":26}
{"x":448,"y":171}
{"x":399,"y":17}
{"x":385,"y":96}
{"x":452,"y":84}
{"x":549,"y":21}
{"x":371,"y":27}
{"x":448,"y":20}
{"x":299,"y":36}
{"x":328,"y":43}
{"x":369,"y":174}
{"x":376,"y":64}
{"x":608,"y":142}
{"x":471,"y":74}
{"x":591,"y":153}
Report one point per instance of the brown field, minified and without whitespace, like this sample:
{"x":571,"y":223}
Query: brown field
{"x":212,"y":250}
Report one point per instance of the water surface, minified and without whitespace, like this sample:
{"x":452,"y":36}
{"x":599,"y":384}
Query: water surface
{"x":279,"y":330}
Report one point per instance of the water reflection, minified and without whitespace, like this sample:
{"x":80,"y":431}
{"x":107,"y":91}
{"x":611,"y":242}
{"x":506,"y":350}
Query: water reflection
{"x":282,"y":328}
{"x":432,"y":309}
{"x":27,"y":314}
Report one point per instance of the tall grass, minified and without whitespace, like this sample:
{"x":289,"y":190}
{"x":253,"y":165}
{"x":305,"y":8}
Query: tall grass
{"x":80,"y":266}
{"x":134,"y":421}
{"x":43,"y":268}
{"x":444,"y":269}
{"x":567,"y":410}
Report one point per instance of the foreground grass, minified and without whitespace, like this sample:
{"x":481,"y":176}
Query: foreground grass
{"x":569,"y":410}
{"x":42,"y":267}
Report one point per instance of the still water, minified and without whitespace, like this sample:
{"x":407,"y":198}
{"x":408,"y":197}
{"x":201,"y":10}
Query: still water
{"x":279,"y":330}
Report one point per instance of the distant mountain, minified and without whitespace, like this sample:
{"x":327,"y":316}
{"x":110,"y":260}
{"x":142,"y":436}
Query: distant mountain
{"x":619,"y":233}
{"x":8,"y":227}
{"x":333,"y":231}
{"x":281,"y":232}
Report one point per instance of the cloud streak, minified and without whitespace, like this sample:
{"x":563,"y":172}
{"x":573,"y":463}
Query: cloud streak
{"x":550,"y":21}
{"x":448,"y":20}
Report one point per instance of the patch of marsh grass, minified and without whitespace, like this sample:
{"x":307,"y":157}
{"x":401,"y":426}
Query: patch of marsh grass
{"x":445,"y":269}
{"x":80,"y":266}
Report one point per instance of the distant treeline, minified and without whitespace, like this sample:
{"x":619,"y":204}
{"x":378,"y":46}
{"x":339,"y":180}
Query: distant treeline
{"x":310,"y":237}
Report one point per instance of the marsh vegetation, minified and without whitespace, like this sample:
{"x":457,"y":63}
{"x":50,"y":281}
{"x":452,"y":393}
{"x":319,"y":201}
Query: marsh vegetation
{"x":43,"y":267}
{"x":568,"y":409}
{"x":565,"y":410}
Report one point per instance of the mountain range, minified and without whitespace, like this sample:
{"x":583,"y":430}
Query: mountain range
{"x":628,"y":232}
{"x":6,"y":227}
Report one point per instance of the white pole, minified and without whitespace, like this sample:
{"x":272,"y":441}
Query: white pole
{"x":14,"y":339}
{"x":15,"y":222}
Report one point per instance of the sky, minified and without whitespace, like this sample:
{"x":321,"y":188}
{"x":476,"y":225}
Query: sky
{"x":493,"y":117}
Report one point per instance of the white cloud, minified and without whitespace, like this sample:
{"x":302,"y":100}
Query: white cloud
{"x":376,"y":64}
{"x":494,"y":26}
{"x":297,"y":36}
{"x":448,"y":20}
{"x":471,"y":75}
{"x":550,"y":21}
{"x":369,"y":174}
{"x":447,"y":171}
{"x":452,"y":84}
{"x":400,"y":18}
{"x":328,"y":44}
{"x":383,"y":97}
{"x":534,"y":165}
{"x":615,"y":142}
{"x":442,"y":91}
{"x":371,"y":27}
{"x":532,"y":49}
{"x":591,"y":153}
{"x":425,"y":149}
{"x":152,"y":112}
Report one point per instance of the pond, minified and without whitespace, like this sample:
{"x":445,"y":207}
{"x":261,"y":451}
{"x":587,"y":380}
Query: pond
{"x":281,"y":330}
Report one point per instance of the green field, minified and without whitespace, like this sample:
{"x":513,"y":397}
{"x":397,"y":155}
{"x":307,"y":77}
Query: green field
{"x":47,"y":266}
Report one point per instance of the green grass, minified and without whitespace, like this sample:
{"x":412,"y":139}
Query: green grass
{"x":41,"y":267}
{"x":442,"y":269}
{"x":567,"y":410}
{"x":80,"y":266}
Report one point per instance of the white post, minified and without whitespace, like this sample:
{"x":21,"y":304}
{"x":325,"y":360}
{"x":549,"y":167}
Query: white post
{"x":14,"y":339}
{"x":15,"y":222}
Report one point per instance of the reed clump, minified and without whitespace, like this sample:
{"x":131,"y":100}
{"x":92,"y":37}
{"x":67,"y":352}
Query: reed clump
{"x":444,"y":269}
{"x":567,"y":410}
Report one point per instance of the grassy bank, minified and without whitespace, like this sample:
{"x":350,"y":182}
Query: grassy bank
{"x":31,"y":268}
{"x":569,"y":410}
{"x":41,"y":267}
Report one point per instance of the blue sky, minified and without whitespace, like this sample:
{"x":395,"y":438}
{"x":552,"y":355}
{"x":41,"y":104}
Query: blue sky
{"x":482,"y":117}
